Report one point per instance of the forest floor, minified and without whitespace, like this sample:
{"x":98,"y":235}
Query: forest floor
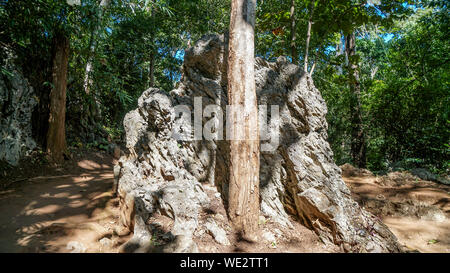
{"x":66,"y":209}
{"x":416,"y":211}
{"x":72,"y":208}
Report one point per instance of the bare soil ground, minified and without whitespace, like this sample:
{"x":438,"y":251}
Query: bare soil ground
{"x":416,"y":211}
{"x":71,"y":208}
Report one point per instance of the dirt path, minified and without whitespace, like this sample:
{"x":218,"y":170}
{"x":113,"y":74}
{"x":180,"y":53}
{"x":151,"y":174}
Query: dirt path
{"x":416,"y":211}
{"x":62,"y":210}
{"x":72,"y":209}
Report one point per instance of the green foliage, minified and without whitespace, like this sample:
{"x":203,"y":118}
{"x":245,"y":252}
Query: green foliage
{"x":404,"y":80}
{"x":118,"y":40}
{"x":405,"y":94}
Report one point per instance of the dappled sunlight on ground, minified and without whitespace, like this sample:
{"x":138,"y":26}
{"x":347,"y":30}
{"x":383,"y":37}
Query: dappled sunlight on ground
{"x":416,"y":211}
{"x":91,"y":165}
{"x":50,"y":213}
{"x":423,"y":235}
{"x":73,"y":209}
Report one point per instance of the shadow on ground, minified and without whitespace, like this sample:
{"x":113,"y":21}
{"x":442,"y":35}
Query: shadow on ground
{"x":416,"y":211}
{"x":71,"y":209}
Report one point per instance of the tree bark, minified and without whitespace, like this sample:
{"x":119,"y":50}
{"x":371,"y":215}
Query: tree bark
{"x":92,"y":47}
{"x":340,"y":51}
{"x":308,"y":36}
{"x":56,"y":135}
{"x":243,"y":198}
{"x":93,"y":109}
{"x":358,"y":145}
{"x":312,"y":69}
{"x":151,"y":71}
{"x":293,"y":34}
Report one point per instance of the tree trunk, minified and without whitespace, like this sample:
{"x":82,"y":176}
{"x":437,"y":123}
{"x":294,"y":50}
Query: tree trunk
{"x":340,"y":51}
{"x":151,"y":71}
{"x":243,"y":199}
{"x":293,"y":34}
{"x":92,"y":47}
{"x":87,"y":79}
{"x":56,"y":135}
{"x":308,"y":36}
{"x":94,"y":109}
{"x":358,"y":145}
{"x":312,"y":69}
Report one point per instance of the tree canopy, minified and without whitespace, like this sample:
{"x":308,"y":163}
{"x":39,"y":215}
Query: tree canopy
{"x":118,"y":48}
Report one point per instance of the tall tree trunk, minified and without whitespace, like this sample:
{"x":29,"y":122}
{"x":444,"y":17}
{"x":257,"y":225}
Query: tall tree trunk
{"x":312,"y":68}
{"x":340,"y":51}
{"x":56,"y":135}
{"x":358,"y":145}
{"x":308,"y":36}
{"x":87,"y":82}
{"x":94,"y":109}
{"x":243,"y":198}
{"x":92,"y":47}
{"x":293,"y":34}
{"x":151,"y":70}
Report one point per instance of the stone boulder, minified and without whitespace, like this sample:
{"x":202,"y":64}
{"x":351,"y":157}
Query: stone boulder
{"x":298,"y":177}
{"x":17,"y":101}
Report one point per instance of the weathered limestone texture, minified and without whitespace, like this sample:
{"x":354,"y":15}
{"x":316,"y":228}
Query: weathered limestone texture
{"x":299,"y":178}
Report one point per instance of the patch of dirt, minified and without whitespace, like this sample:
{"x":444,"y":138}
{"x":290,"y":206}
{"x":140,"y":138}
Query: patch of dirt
{"x":69,"y":208}
{"x":416,"y":211}
{"x":297,"y":239}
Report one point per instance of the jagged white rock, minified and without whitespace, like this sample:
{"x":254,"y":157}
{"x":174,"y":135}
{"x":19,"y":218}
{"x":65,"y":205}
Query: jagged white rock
{"x":218,"y":233}
{"x":17,"y":101}
{"x":299,"y":178}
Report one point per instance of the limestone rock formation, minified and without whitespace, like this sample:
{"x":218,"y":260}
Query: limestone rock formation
{"x":162,"y":174}
{"x":17,"y":101}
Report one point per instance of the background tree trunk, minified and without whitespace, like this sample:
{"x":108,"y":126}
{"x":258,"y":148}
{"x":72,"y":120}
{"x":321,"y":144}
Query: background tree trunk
{"x":293,"y":34}
{"x":340,"y":51}
{"x":56,"y":135}
{"x":243,"y":202}
{"x":92,"y":46}
{"x":308,"y":36}
{"x":151,"y":70}
{"x":94,"y":109}
{"x":358,"y":145}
